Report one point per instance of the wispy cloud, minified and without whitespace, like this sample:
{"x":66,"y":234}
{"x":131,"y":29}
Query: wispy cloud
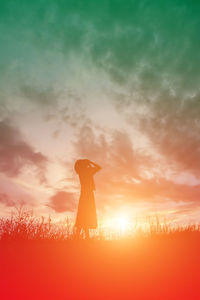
{"x":62,"y":202}
{"x":15,"y":153}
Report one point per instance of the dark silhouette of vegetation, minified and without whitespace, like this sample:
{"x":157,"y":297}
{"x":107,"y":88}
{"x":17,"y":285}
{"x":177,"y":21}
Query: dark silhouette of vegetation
{"x":23,"y":225}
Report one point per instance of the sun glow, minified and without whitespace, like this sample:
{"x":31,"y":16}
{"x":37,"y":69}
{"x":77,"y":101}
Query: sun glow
{"x":119,"y":223}
{"x":122,"y":223}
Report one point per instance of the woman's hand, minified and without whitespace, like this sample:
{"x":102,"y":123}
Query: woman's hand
{"x":88,"y":161}
{"x":95,"y":166}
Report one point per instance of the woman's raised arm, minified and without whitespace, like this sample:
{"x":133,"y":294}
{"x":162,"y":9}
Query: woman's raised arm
{"x":94,"y":166}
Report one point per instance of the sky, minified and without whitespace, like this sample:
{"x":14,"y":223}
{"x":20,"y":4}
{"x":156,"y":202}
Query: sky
{"x":117,"y":82}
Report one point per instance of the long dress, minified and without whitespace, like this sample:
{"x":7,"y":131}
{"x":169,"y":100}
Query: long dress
{"x":86,"y":215}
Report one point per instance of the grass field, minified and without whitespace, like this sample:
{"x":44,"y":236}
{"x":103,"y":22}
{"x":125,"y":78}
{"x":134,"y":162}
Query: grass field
{"x":163,"y":264}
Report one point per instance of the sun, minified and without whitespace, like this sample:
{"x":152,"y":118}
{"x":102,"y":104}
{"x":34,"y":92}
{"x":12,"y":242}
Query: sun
{"x":119,"y":223}
{"x":122,"y":223}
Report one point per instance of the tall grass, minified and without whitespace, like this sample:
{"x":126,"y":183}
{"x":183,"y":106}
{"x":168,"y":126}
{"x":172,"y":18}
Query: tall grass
{"x":23,"y":225}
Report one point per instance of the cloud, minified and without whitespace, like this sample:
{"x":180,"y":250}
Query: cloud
{"x":113,"y":149}
{"x":169,"y":118}
{"x":120,"y":39}
{"x":120,"y":161}
{"x":62,"y":202}
{"x":13,"y":193}
{"x":5,"y":199}
{"x":173,"y":129}
{"x":157,"y":190}
{"x":42,"y":95}
{"x":123,"y":176}
{"x":14,"y":200}
{"x":15,"y":153}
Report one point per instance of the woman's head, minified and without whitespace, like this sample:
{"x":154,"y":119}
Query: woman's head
{"x":81,"y":165}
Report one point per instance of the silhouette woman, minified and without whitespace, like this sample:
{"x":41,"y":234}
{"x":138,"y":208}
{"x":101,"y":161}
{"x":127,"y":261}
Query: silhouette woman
{"x":86,"y":216}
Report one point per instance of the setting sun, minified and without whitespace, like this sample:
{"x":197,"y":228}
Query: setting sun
{"x":119,"y":223}
{"x":122,"y":223}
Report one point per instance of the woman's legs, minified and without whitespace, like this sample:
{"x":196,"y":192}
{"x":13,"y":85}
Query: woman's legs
{"x":78,"y":231}
{"x":87,"y":234}
{"x":86,"y":230}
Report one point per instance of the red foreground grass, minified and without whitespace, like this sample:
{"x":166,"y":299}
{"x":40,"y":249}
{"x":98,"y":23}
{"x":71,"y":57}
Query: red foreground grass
{"x":161,"y":265}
